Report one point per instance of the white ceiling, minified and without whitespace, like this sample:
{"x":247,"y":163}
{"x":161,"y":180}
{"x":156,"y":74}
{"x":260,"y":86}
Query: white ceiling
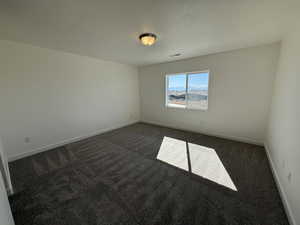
{"x":109,"y":29}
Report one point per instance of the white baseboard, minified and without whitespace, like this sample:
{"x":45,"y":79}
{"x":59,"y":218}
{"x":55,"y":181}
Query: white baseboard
{"x":205,"y":132}
{"x":68,"y":141}
{"x":282,"y":193}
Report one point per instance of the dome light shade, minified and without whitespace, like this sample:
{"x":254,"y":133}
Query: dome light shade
{"x":148,"y":39}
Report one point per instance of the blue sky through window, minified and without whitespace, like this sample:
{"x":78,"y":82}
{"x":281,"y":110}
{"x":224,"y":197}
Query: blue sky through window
{"x":177,"y":82}
{"x":196,"y":82}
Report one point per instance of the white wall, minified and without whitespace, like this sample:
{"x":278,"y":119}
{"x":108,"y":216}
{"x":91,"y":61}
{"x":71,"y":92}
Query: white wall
{"x":283,"y":139}
{"x":51,"y":96}
{"x":5,"y":212}
{"x":239,"y":96}
{"x":4,"y":169}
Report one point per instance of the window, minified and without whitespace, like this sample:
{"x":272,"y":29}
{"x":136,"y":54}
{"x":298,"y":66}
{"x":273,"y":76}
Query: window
{"x":187,"y":90}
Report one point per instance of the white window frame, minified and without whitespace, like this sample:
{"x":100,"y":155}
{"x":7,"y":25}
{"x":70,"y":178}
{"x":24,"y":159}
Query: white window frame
{"x":186,"y":90}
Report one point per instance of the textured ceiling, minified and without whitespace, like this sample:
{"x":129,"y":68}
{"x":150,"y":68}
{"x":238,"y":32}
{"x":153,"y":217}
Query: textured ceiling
{"x":109,"y":29}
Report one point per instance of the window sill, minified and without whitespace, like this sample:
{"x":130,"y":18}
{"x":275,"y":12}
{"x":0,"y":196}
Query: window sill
{"x":174,"y":106}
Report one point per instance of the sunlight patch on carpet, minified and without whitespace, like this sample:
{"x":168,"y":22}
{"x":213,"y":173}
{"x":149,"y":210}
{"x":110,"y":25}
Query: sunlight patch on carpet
{"x":196,"y":159}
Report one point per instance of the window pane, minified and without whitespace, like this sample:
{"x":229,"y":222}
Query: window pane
{"x":198,"y":90}
{"x":176,"y":90}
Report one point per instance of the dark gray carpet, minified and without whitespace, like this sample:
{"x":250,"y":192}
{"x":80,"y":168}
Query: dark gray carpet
{"x":115,"y":178}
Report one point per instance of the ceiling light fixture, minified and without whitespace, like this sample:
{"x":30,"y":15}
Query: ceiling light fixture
{"x":148,"y":39}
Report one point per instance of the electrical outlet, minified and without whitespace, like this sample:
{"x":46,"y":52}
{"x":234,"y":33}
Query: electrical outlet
{"x":289,"y":177}
{"x":27,"y":139}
